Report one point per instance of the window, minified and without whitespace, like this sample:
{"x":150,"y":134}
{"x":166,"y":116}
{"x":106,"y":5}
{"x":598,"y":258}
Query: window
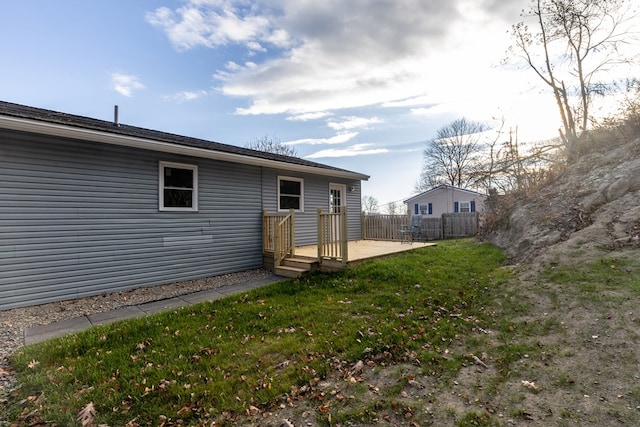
{"x":426,"y":209}
{"x":178,"y":187}
{"x":290,"y":193}
{"x":423,"y":209}
{"x":464,"y":207}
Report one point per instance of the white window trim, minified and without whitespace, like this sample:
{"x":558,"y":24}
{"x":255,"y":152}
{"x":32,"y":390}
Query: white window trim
{"x":468,"y":203}
{"x":161,"y":167}
{"x":291,"y":178}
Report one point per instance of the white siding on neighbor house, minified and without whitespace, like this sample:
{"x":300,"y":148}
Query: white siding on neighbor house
{"x":79,"y":219}
{"x":443,"y":200}
{"x":316,"y":195}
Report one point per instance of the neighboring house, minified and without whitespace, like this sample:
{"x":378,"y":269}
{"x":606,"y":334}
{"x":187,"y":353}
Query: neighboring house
{"x":445,"y":199}
{"x":90,"y":206}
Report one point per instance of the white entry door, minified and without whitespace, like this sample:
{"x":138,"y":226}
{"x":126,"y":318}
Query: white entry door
{"x":337,"y":199}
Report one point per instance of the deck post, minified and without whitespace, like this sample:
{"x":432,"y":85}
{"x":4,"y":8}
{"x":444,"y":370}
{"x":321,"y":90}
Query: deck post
{"x":292,"y":231}
{"x":344,"y":236}
{"x":276,"y":244}
{"x":320,"y":242}
{"x":265,"y":227}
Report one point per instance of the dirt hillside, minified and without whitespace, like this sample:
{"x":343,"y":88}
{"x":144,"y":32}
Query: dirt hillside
{"x":589,"y":370}
{"x":591,"y":206}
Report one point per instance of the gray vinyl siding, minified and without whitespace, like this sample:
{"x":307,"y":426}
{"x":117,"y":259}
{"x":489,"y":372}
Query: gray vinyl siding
{"x":354,"y":215}
{"x":80,"y":219}
{"x":316,"y":195}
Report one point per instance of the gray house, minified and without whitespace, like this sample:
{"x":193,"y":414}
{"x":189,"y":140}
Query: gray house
{"x":90,"y":206}
{"x":445,"y":212}
{"x":445,"y":199}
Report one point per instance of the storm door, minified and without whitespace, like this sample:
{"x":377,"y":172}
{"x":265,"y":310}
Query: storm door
{"x":337,"y":199}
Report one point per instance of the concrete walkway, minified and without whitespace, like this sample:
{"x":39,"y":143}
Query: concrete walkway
{"x":53,"y":330}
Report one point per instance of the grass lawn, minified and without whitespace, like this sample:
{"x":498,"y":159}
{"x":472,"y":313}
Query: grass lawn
{"x":220,"y":360}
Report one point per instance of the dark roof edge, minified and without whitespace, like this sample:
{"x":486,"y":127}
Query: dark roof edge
{"x":442,"y":186}
{"x":48,"y":122}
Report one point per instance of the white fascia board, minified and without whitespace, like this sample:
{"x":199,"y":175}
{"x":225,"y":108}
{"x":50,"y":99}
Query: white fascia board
{"x":54,"y":129}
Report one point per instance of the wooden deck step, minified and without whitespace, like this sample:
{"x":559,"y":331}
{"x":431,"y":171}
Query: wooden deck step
{"x":308,"y":264}
{"x":292,"y":272}
{"x":296,"y":266}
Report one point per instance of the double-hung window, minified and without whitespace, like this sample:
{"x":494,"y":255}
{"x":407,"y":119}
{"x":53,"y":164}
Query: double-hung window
{"x":178,"y":189}
{"x":464,"y":206}
{"x":290,"y":193}
{"x":426,"y":209}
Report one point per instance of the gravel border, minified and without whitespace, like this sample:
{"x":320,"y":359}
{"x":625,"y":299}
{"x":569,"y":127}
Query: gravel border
{"x":14,"y":322}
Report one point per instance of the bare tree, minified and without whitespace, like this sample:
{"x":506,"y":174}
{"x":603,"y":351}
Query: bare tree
{"x":513,"y":167}
{"x":575,"y":41}
{"x":369,"y":205}
{"x":450,"y":157}
{"x":271,"y":145}
{"x":393,"y":208}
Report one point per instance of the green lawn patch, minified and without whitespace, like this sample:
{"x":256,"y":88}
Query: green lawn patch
{"x":216,"y":360}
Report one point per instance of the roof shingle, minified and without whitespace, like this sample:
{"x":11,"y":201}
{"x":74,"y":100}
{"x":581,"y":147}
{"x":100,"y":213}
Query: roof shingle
{"x":71,"y":120}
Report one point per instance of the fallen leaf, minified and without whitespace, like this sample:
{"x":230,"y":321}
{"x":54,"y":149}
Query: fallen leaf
{"x":357,"y":368}
{"x":530,"y":385}
{"x":87,"y":415}
{"x":476,"y":360}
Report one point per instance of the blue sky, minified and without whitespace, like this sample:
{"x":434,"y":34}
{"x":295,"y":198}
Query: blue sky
{"x":358,"y":84}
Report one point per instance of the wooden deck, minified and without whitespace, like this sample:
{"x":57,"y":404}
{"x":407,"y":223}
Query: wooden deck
{"x":361,"y":250}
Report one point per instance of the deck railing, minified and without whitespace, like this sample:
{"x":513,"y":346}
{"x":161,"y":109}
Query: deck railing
{"x":332,"y":235}
{"x":278,"y":235}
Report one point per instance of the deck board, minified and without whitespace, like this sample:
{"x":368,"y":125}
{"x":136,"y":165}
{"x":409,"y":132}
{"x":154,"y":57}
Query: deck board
{"x":364,"y":249}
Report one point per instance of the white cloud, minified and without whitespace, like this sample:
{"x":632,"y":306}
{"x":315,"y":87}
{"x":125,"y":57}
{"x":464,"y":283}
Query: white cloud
{"x":185,"y":96}
{"x":309,"y":116}
{"x":368,"y":55}
{"x":125,"y":84}
{"x":352,"y":122}
{"x":354,"y":150}
{"x":232,"y":66}
{"x":217,"y":23}
{"x":431,"y":59}
{"x":340,"y":138}
{"x":327,"y":55}
{"x":408,"y":102}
